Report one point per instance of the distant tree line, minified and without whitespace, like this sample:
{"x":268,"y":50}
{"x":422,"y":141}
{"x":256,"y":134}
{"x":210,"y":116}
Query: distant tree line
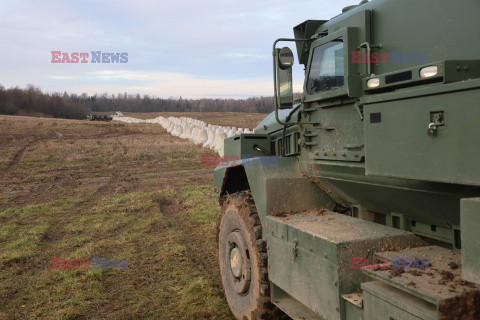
{"x":145,"y":103}
{"x":32,"y":101}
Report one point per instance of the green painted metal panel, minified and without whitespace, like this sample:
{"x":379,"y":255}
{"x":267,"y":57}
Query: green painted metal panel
{"x":451,"y":156}
{"x":382,"y":302}
{"x":305,"y":30}
{"x":470,"y":226}
{"x":277,"y":186}
{"x":353,"y":313}
{"x":218,"y":180}
{"x":431,"y":203}
{"x":242,"y":145}
{"x":422,"y":91}
{"x":310,"y":256}
{"x":270,"y":124}
{"x":311,"y":282}
{"x":427,"y":287}
{"x":412,"y":26}
{"x":281,"y":188}
{"x":338,"y":133}
{"x":452,"y":71}
{"x":291,"y":306}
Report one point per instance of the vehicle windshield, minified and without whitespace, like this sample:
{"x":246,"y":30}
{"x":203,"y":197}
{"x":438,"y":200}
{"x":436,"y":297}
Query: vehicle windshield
{"x":327,"y":67}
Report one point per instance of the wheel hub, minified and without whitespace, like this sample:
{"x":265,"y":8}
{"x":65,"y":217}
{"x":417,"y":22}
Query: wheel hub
{"x":239,"y":261}
{"x":236,"y":262}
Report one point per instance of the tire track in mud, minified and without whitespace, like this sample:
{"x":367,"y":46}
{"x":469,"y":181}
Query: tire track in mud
{"x":105,"y":188}
{"x":188,"y":235}
{"x":114,"y":180}
{"x":119,"y":145}
{"x":18,"y":155}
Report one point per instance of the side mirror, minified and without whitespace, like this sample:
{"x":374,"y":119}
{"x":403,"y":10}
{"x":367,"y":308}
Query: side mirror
{"x":284,"y":88}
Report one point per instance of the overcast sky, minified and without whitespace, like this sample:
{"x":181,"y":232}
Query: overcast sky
{"x":188,"y":48}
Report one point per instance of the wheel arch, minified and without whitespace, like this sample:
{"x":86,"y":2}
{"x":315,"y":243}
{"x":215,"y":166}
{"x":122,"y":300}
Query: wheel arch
{"x":235,"y":180}
{"x":276,"y":187}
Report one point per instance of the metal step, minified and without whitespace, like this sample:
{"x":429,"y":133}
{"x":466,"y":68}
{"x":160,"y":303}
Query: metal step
{"x":312,"y":254}
{"x":437,"y":280}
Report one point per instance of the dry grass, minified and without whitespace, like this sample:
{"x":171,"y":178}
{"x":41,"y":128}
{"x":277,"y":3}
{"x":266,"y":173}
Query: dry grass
{"x":79,"y":189}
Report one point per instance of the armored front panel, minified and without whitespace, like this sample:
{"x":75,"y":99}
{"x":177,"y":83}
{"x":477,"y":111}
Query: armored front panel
{"x":432,"y":138}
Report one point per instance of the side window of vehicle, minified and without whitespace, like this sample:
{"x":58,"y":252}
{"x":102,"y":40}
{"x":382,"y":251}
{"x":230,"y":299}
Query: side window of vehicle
{"x":327,"y":67}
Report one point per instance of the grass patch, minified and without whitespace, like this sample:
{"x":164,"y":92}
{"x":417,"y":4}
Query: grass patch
{"x":164,"y":235}
{"x":110,"y":191}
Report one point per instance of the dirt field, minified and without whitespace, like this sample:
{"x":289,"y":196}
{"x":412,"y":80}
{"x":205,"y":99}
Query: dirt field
{"x":77,"y":189}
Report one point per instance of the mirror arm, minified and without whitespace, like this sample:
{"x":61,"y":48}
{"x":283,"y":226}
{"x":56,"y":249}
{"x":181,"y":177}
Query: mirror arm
{"x":369,"y":55}
{"x":274,"y":53}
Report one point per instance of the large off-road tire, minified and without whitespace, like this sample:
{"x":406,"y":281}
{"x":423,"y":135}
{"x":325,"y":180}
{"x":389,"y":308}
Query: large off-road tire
{"x":243,"y":260}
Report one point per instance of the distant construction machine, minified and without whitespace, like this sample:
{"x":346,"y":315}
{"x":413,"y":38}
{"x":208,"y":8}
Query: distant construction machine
{"x":101,"y":117}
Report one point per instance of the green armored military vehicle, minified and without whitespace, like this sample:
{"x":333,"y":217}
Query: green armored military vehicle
{"x":360,"y":200}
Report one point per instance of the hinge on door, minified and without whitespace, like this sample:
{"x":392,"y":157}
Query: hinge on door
{"x":310,"y":135}
{"x":295,"y":251}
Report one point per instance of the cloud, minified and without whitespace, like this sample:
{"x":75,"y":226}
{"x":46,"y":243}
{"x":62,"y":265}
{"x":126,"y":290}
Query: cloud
{"x":242,"y":56}
{"x":165,"y":84}
{"x":193,"y":48}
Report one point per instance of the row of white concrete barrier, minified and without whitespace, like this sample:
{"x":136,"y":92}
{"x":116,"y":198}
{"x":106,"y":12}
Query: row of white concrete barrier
{"x":199,"y":132}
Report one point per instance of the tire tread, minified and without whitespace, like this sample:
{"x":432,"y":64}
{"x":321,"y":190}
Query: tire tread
{"x":245,"y":204}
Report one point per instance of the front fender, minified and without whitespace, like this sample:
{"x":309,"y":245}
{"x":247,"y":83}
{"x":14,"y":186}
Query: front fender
{"x":276,"y":183}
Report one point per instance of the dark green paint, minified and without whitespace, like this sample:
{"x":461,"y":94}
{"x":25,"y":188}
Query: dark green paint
{"x":311,"y":256}
{"x":470,"y":226}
